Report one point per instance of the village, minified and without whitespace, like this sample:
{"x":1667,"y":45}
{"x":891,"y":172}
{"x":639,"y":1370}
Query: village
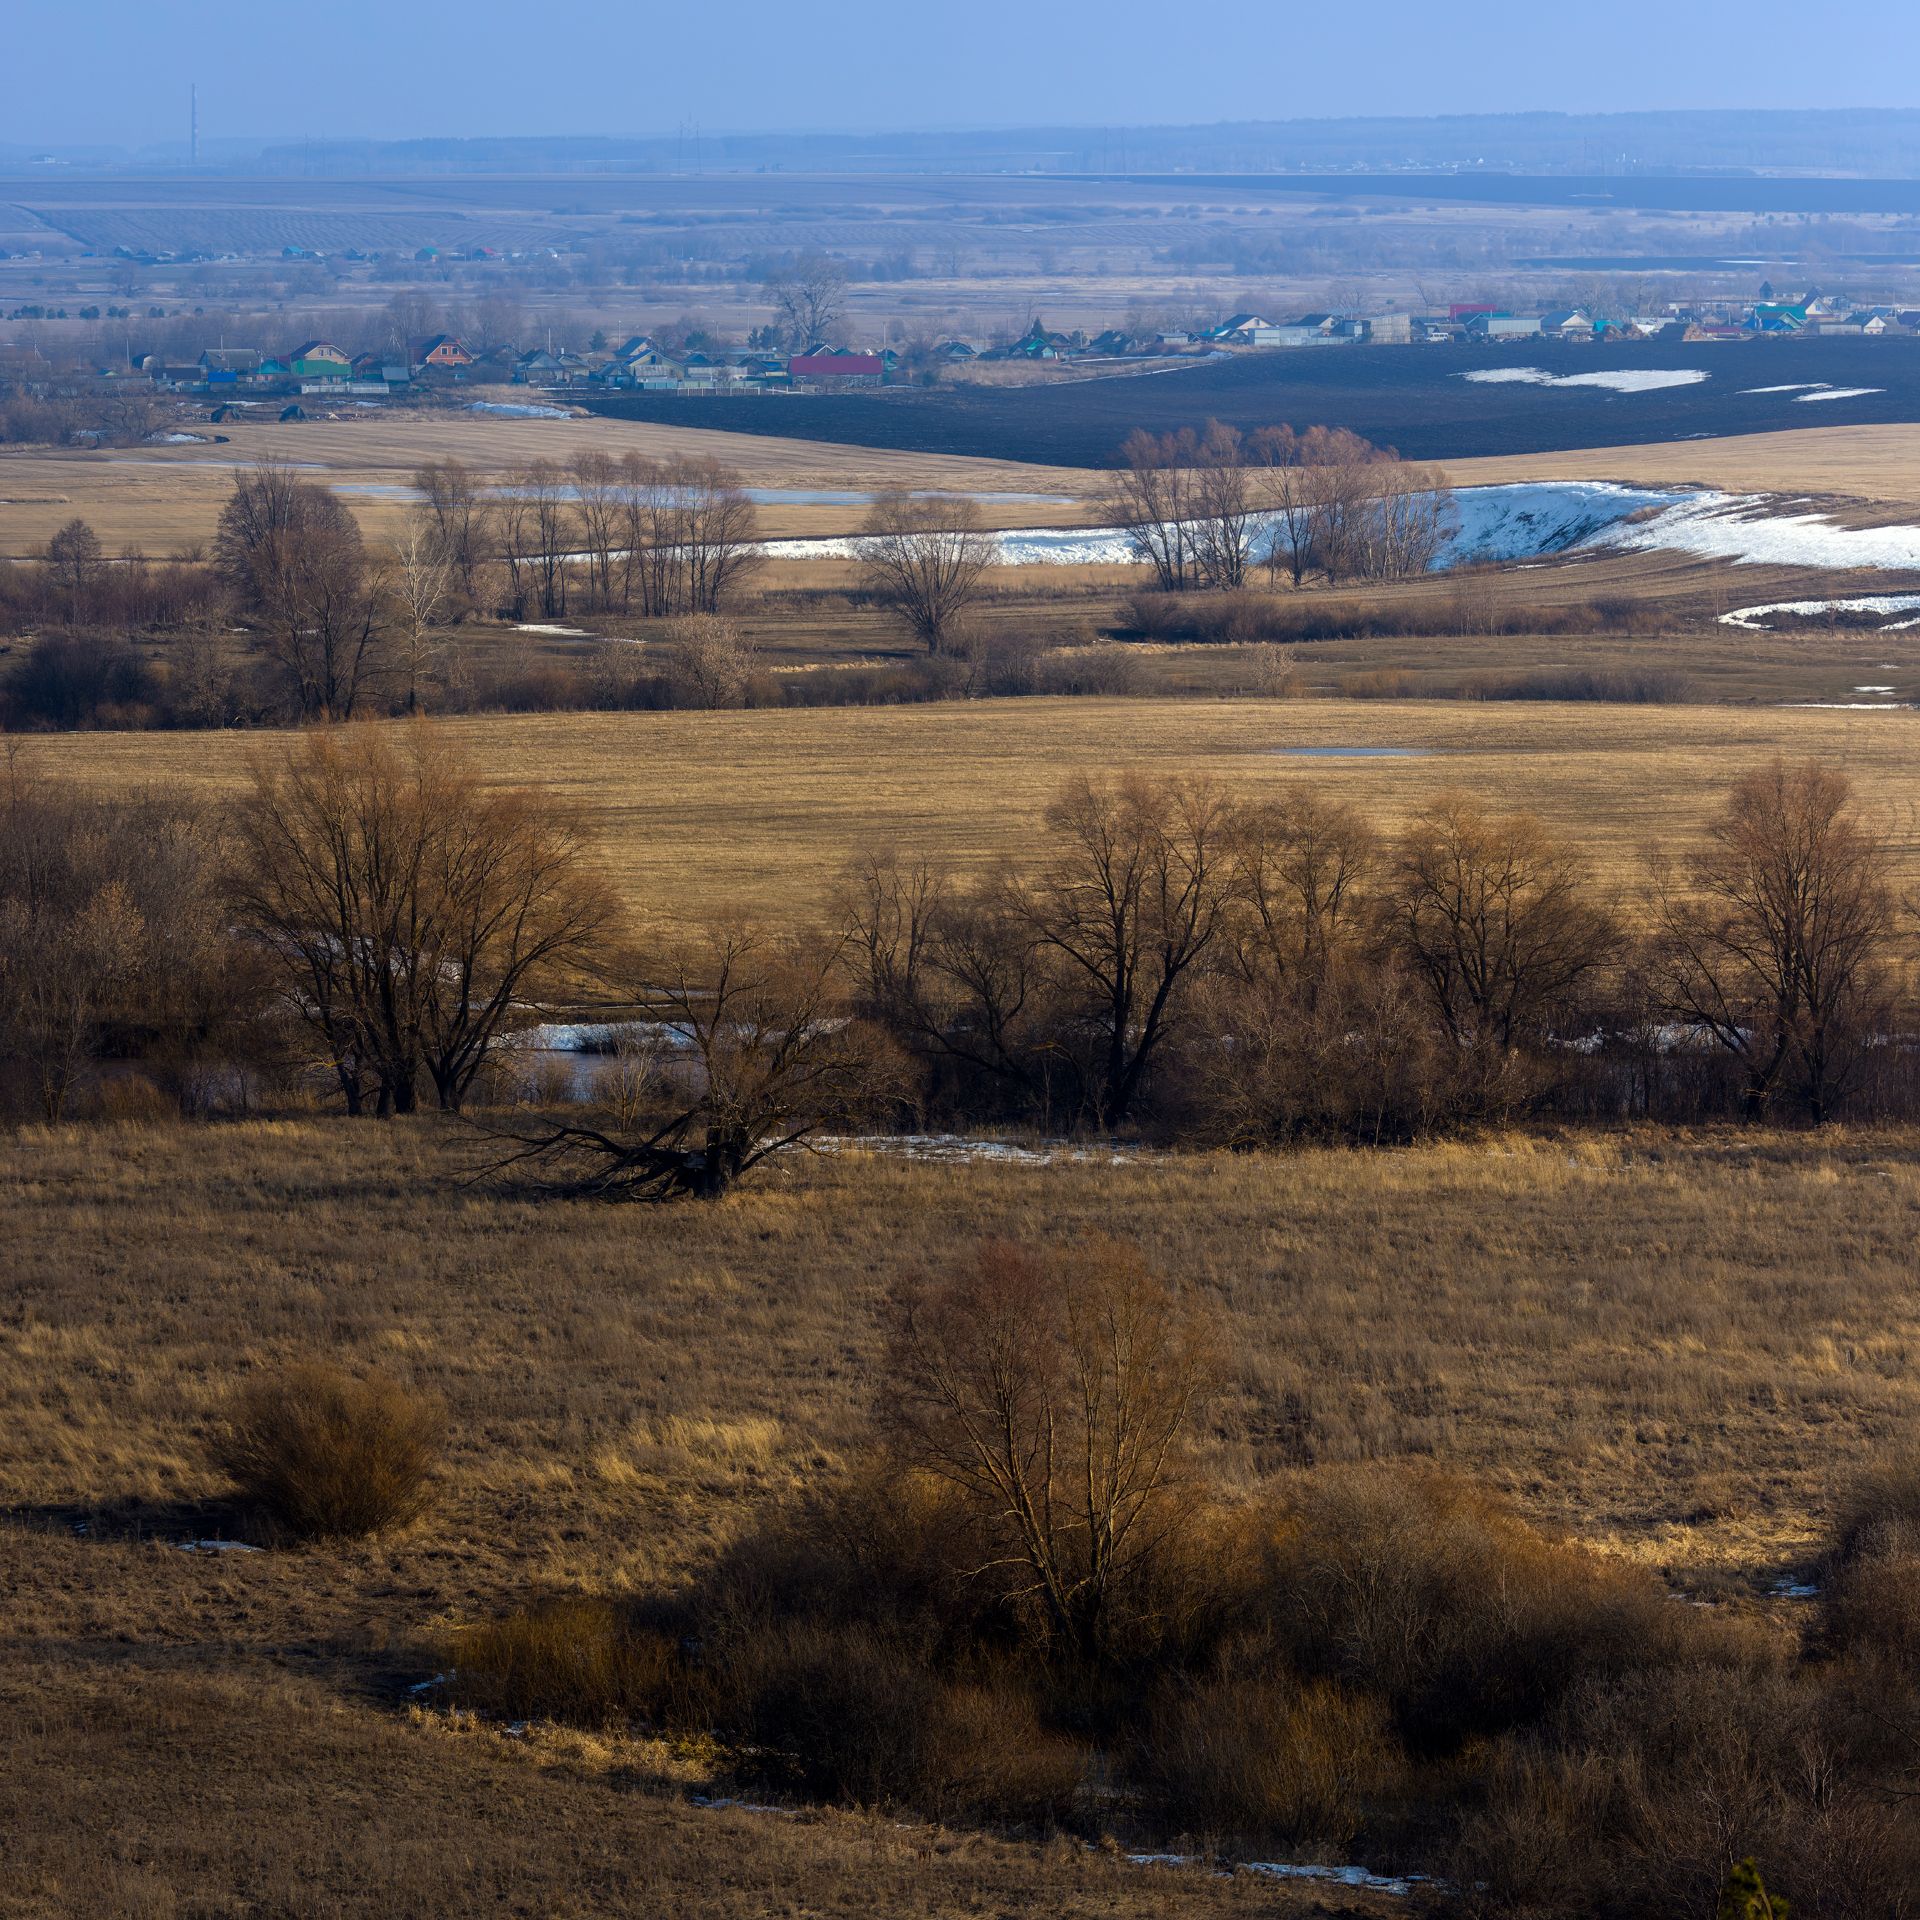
{"x":228,"y":374}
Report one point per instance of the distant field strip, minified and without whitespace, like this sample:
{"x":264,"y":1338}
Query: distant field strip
{"x":757,"y":810}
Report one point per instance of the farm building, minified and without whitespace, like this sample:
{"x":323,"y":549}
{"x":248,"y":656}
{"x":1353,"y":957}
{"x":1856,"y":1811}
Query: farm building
{"x":841,"y":369}
{"x":228,"y":366}
{"x":1503,"y":326}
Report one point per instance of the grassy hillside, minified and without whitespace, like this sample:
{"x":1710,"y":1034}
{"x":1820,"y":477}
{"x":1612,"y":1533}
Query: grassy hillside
{"x":1680,"y":1348}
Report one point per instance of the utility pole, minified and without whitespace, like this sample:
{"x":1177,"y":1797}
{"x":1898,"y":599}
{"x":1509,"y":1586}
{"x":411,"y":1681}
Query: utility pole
{"x":193,"y":124}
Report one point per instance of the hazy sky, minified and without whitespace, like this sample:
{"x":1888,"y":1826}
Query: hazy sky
{"x":118,"y":70}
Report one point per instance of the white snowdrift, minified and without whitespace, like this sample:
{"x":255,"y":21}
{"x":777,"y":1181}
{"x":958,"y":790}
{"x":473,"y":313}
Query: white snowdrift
{"x":1624,"y":380}
{"x":1504,"y":524}
{"x":1836,"y":393}
{"x":1719,"y":526}
{"x":519,"y":410}
{"x":1491,"y":523}
{"x":1755,"y":618}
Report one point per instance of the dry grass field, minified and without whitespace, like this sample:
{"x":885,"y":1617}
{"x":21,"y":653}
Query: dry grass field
{"x":1682,"y":1348}
{"x":160,"y":498}
{"x":756,"y":810}
{"x":1878,"y":465}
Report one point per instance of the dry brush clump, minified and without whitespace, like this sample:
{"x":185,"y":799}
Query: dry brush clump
{"x":1030,"y":1587}
{"x":321,"y":1454}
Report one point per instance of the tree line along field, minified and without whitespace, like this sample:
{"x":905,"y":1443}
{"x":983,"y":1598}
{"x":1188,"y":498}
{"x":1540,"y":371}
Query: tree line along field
{"x":758,"y":810}
{"x":1683,"y":1349}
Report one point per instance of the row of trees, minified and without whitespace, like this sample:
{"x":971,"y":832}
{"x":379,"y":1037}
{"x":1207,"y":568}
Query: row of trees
{"x":343,"y":622}
{"x":1208,"y":509}
{"x":1259,"y":972}
{"x":1170,"y":956}
{"x":650,"y":537}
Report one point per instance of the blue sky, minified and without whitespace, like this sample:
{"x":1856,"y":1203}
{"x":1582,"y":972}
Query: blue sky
{"x":118,"y":70}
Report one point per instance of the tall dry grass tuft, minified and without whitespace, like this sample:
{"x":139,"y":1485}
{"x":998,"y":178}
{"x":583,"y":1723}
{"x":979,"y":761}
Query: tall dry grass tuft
{"x":1447,"y":1606}
{"x":1871,"y":1599}
{"x":586,"y":1662}
{"x":320,"y":1454}
{"x":1252,"y":1752}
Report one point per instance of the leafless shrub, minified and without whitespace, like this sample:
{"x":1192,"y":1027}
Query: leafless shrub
{"x":1257,"y":1754}
{"x":321,"y":1454}
{"x":585,"y":1661}
{"x":1870,"y":1602}
{"x":1055,"y":1390}
{"x":710,"y":660}
{"x":1434,"y":1598}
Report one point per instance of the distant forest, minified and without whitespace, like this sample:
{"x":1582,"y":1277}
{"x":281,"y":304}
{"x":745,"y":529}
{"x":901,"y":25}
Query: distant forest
{"x":1884,"y":142}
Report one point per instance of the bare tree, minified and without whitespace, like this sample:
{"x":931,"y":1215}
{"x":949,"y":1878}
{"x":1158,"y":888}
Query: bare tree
{"x":1397,"y":532}
{"x":719,"y":523}
{"x":461,"y":514}
{"x":1226,"y":516}
{"x":293,"y":557}
{"x":1293,"y":496}
{"x":808,"y":299}
{"x":1055,"y":1388}
{"x":596,"y":496}
{"x":926,"y":562}
{"x":888,"y":908}
{"x":421,"y":577}
{"x":762,"y":1058}
{"x":110,"y":929}
{"x":688,"y":536}
{"x":1496,"y":918}
{"x":1152,"y":499}
{"x":60,"y":974}
{"x":517,"y":531}
{"x":551,"y":528}
{"x":1131,"y":901}
{"x":75,"y":562}
{"x":1778,"y":941}
{"x":407,"y":907}
{"x":1302,"y":869}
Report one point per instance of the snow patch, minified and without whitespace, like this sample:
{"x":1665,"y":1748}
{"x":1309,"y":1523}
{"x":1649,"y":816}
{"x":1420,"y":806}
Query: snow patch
{"x":217,"y":1546}
{"x":1358,"y":1878}
{"x":519,"y":410}
{"x":960,"y":1148}
{"x":1740,"y":528}
{"x":564,"y":633}
{"x":1836,"y":393}
{"x":1755,"y":617}
{"x":1343,"y":1876}
{"x":1504,"y":524}
{"x":1625,"y":380}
